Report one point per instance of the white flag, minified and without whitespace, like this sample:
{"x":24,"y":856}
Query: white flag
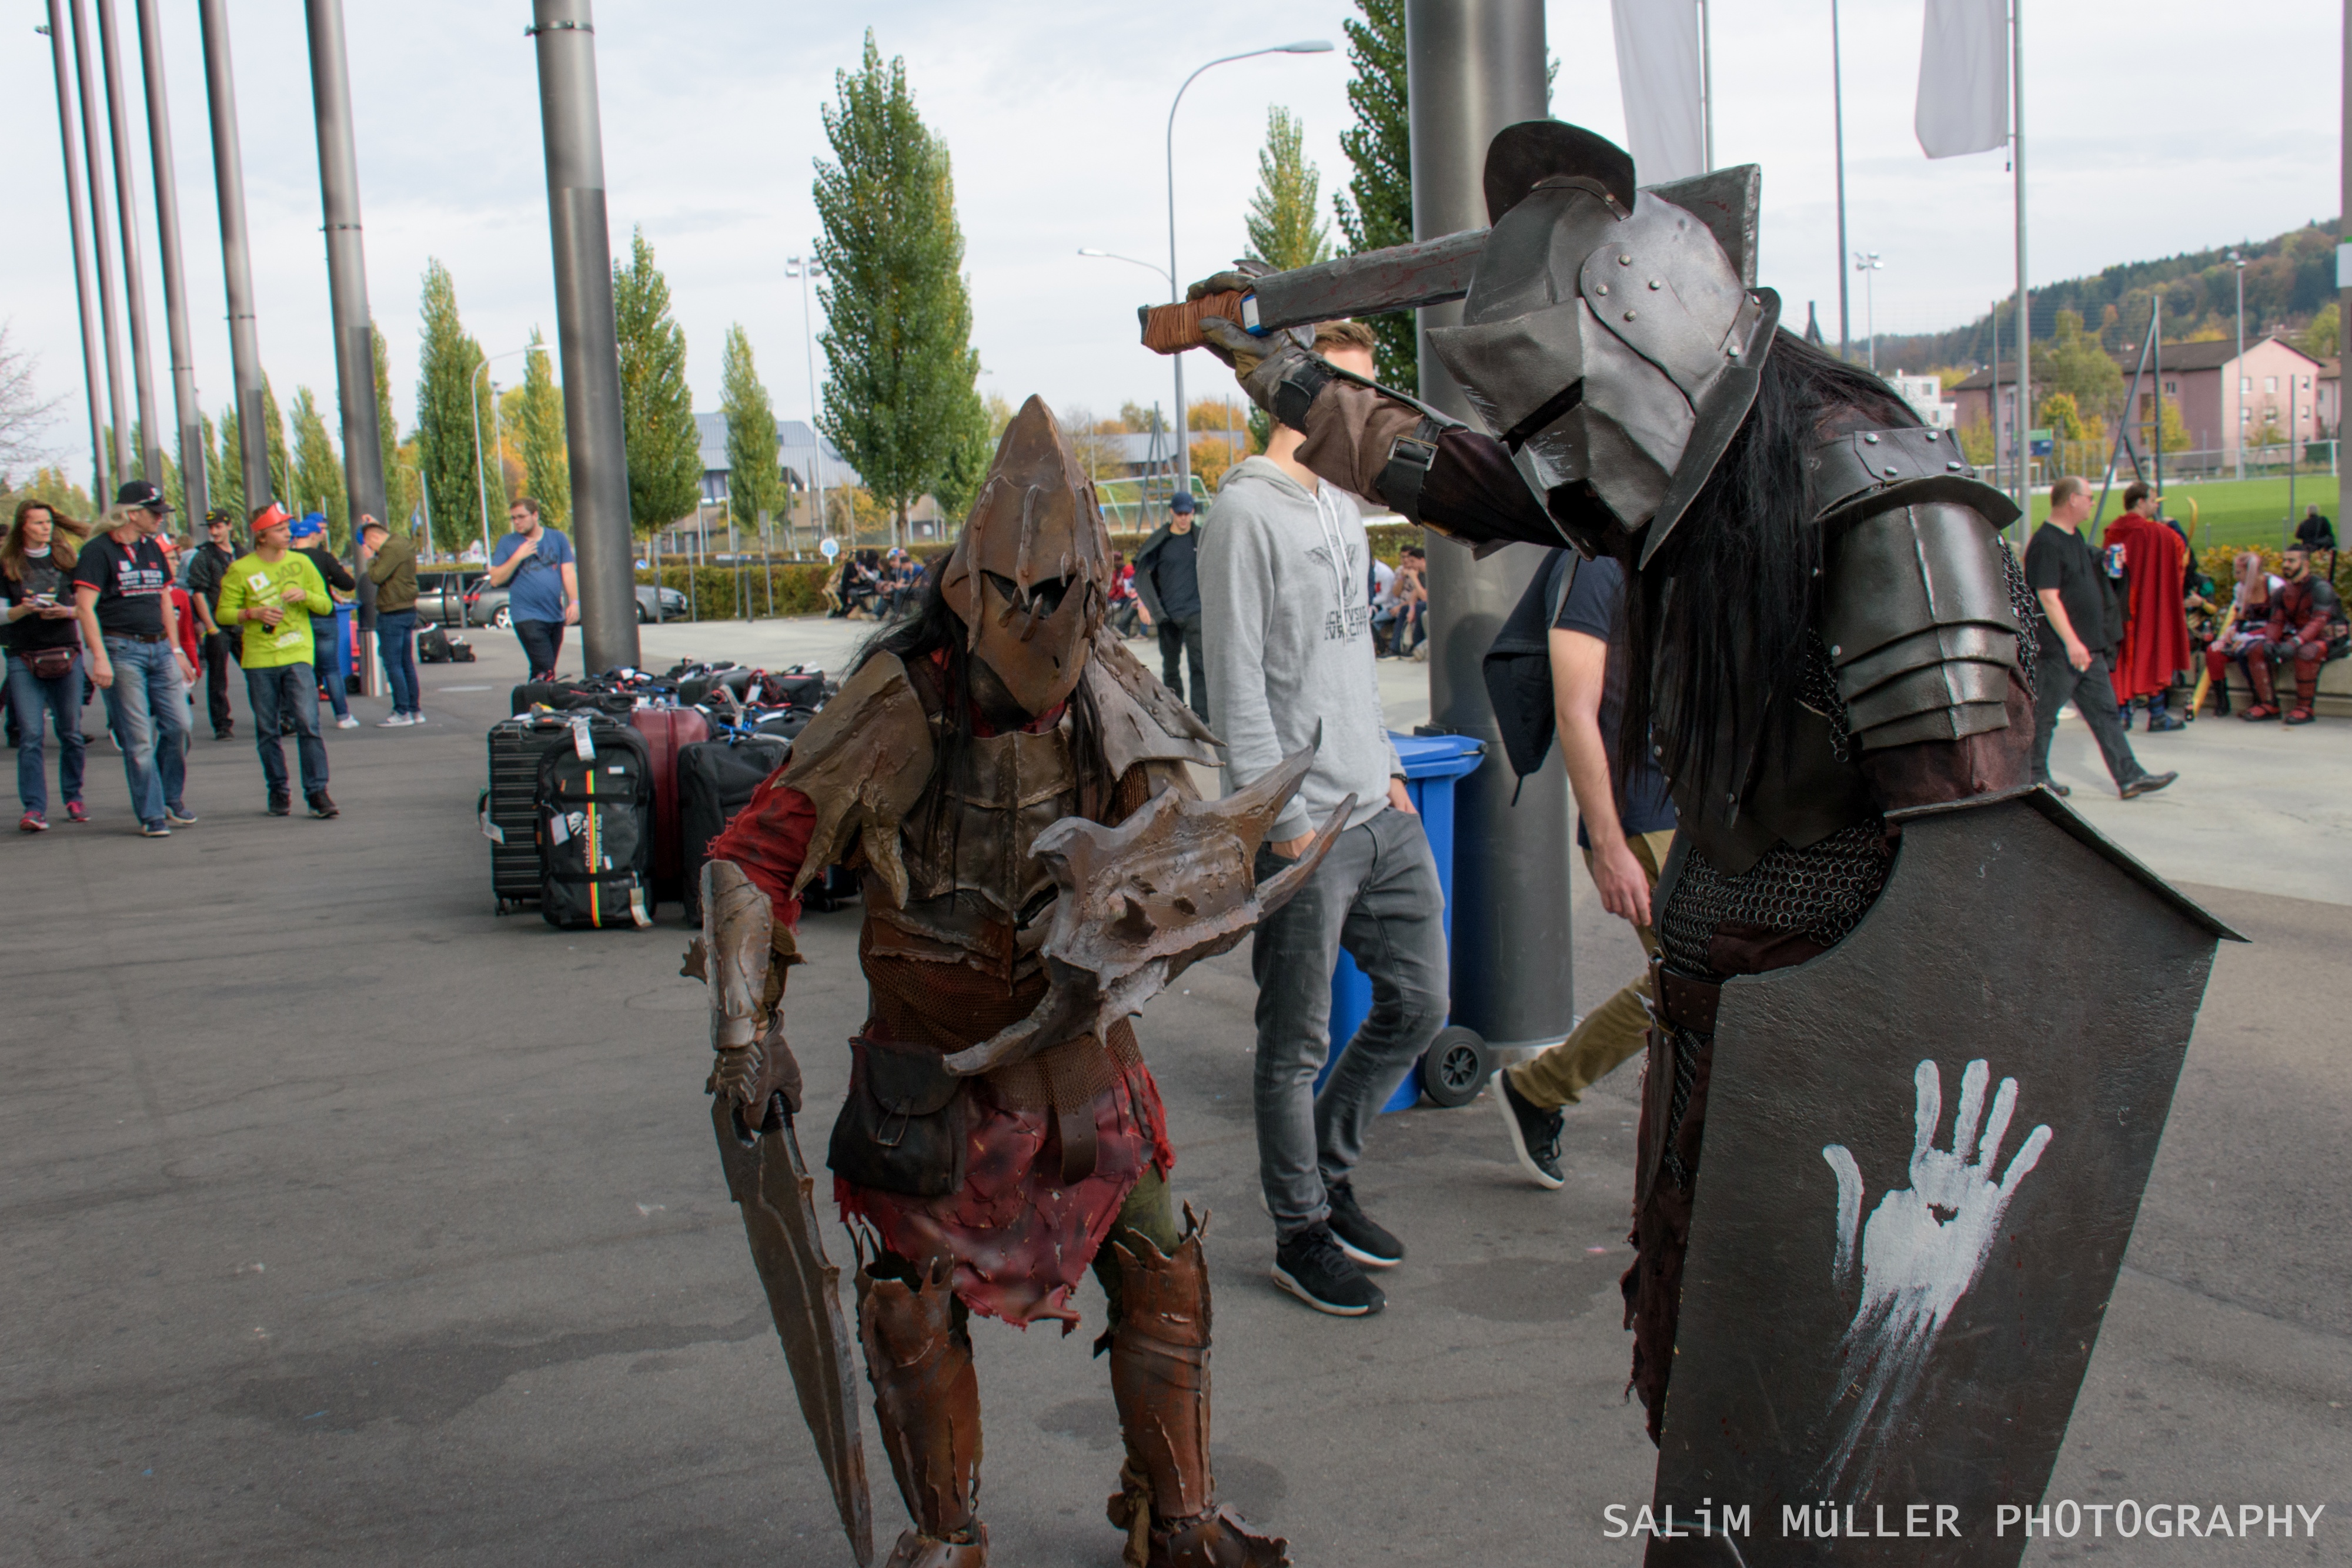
{"x":1658,"y":74}
{"x":1964,"y":77}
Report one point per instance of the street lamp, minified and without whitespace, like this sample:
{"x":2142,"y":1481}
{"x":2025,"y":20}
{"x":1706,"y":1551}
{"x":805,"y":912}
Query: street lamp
{"x":2238,"y":399}
{"x":481,"y":482}
{"x":1866,"y":262}
{"x":804,"y":268}
{"x":1304,"y":47}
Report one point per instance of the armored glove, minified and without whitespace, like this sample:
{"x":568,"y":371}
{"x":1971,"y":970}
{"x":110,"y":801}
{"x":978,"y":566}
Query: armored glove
{"x":1279,"y":372}
{"x":1239,"y":278}
{"x":738,"y":940}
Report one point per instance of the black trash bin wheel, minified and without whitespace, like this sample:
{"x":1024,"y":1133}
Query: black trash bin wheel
{"x":1454,"y":1067}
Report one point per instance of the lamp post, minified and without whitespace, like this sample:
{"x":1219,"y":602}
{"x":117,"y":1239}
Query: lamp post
{"x":1866,"y":262}
{"x":481,"y":480}
{"x":1304,"y":47}
{"x":2238,"y":398}
{"x":804,"y":268}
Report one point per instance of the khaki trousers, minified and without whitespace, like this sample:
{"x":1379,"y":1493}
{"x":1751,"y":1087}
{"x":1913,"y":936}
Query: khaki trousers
{"x":1612,"y":1031}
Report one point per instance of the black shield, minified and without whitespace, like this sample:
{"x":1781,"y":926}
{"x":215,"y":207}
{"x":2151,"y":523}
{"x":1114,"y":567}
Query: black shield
{"x":1924,"y":1154}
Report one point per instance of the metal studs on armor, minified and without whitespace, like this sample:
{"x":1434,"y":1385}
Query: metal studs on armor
{"x":1624,"y":261}
{"x":1600,"y":288}
{"x":1953,"y":466}
{"x":1655,"y":283}
{"x":1628,"y":315}
{"x":1870,"y":439}
{"x":1890,"y":472}
{"x":1931,"y":436}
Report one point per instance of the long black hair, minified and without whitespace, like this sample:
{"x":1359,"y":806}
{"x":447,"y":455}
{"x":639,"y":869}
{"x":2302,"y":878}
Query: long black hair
{"x":936,"y":628}
{"x":1724,"y":624}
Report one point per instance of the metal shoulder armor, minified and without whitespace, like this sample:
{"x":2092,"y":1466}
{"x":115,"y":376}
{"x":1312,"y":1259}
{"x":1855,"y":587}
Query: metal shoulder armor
{"x":1915,"y":613}
{"x":863,"y":762}
{"x":1141,"y":720}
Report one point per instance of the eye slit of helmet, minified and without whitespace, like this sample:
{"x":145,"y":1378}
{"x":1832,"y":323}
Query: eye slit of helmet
{"x":1554,"y":407}
{"x":1045,"y":596}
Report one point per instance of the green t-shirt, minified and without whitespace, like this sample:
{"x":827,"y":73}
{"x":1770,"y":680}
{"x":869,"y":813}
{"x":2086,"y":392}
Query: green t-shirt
{"x":251,"y":581}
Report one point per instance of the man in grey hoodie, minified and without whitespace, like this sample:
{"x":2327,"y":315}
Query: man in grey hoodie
{"x":1283,"y":596}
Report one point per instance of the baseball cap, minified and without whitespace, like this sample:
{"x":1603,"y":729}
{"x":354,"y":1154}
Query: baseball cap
{"x":219,"y":515}
{"x":310,"y":525}
{"x":144,"y":494}
{"x":271,"y":515}
{"x":1183,"y":502}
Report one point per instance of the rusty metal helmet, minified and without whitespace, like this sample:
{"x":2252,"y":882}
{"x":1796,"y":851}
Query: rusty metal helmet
{"x":1613,"y":338}
{"x":1029,"y":575}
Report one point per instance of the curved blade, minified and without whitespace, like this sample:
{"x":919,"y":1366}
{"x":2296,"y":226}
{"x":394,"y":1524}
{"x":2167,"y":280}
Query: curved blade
{"x":769,"y":1181}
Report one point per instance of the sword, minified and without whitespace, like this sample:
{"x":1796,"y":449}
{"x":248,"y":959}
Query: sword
{"x":1401,"y":278}
{"x":770,"y":1180}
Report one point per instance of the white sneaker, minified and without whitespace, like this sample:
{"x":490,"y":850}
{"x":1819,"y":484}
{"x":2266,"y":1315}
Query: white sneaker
{"x":394,"y":721}
{"x":417,"y":718}
{"x":347,"y":722}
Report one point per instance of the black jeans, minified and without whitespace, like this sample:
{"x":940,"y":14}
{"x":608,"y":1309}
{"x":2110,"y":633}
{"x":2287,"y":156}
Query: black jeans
{"x":1180,"y":643}
{"x":219,"y":648}
{"x":542,"y":642}
{"x":289,"y":692}
{"x":2055,"y":684}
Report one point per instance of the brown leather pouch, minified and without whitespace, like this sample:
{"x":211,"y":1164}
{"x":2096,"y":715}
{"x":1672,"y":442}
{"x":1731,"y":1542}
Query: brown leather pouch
{"x":901,"y":1129}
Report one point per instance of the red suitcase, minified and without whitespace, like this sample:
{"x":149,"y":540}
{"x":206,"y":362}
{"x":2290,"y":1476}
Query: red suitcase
{"x":665,"y":730}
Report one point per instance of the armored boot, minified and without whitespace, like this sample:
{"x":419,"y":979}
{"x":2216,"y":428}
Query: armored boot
{"x":2258,"y":675}
{"x":926,"y":1399}
{"x":1159,"y":1377}
{"x":2307,"y":691}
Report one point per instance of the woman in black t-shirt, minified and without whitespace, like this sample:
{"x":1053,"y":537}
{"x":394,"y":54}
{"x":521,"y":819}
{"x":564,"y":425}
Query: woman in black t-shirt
{"x":44,"y":652}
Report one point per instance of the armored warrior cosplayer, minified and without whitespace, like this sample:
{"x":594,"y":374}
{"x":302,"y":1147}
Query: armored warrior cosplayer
{"x":1840,"y":656}
{"x":1010,"y":786}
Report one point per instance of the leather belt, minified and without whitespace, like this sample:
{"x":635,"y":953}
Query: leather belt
{"x":1681,"y":1001}
{"x":134,"y":636}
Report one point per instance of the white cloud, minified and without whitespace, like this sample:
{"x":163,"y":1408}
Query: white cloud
{"x":1056,"y":118}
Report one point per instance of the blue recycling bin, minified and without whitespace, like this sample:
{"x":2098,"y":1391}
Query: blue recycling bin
{"x":1431,"y":764}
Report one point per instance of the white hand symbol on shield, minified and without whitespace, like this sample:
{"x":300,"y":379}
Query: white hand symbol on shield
{"x":1924,"y":1247}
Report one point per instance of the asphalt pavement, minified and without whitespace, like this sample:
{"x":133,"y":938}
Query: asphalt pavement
{"x":345,"y":1221}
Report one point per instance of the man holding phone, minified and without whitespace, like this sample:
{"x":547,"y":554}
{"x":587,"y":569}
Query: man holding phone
{"x":270,"y":596}
{"x":544,"y":595}
{"x":122,"y":594}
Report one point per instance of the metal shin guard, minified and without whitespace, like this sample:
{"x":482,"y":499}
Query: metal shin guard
{"x":927,"y":1398}
{"x":1159,"y":1377}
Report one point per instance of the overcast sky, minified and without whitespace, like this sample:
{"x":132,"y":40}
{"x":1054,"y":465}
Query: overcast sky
{"x":2151,"y":130}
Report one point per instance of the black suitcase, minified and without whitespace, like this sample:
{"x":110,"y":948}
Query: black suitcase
{"x":435,"y":645}
{"x":783,"y":725}
{"x":696,"y":687}
{"x":569,"y":697}
{"x":508,"y":809}
{"x":799,"y":686}
{"x":595,"y":817}
{"x":715,"y":780}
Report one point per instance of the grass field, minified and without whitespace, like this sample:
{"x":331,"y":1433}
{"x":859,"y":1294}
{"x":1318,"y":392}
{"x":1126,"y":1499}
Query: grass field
{"x":2233,"y":512}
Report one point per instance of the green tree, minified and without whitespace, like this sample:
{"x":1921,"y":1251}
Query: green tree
{"x":225,"y":467}
{"x":1284,"y":231}
{"x":2071,"y":363}
{"x":664,"y":452}
{"x":399,"y":485}
{"x":2319,"y":339}
{"x":318,"y":470}
{"x":968,"y":459}
{"x":755,"y":478}
{"x":48,"y":485}
{"x":546,"y":458}
{"x":900,"y":396}
{"x":447,"y":359}
{"x":273,"y":425}
{"x":1376,"y":209}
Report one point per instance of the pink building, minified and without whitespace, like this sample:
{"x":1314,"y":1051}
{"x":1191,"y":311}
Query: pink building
{"x":2208,"y":388}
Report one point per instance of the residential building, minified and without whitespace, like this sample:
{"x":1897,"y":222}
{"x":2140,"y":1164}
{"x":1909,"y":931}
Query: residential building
{"x":2276,"y":386}
{"x":1925,"y":396}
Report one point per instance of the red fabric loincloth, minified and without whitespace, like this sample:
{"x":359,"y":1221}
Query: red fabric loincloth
{"x":1020,"y":1238}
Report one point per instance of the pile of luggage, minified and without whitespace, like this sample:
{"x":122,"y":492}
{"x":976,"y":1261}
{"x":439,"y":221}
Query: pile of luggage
{"x":605,"y":791}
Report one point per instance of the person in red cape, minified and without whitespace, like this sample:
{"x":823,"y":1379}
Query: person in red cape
{"x":2156,"y":636}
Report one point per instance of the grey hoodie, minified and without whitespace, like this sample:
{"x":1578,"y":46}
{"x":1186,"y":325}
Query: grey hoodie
{"x":1288,"y":638}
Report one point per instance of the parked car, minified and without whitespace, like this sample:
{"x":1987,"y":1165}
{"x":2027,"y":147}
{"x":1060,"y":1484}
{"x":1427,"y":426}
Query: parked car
{"x":487,"y":606}
{"x":441,"y":597}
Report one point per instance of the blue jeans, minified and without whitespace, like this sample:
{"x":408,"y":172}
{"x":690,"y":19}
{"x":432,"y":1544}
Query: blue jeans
{"x":395,"y":644}
{"x":324,"y":651}
{"x":542,"y":644}
{"x":147,"y":707}
{"x":28,"y":698}
{"x":284,"y":692}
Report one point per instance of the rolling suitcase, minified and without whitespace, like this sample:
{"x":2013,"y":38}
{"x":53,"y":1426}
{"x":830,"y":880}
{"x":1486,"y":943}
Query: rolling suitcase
{"x":665,"y":730}
{"x":715,"y":779}
{"x":507,"y":809}
{"x":595,"y":816}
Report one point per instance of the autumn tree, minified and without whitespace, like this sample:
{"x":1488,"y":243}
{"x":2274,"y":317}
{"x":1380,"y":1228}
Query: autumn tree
{"x":446,"y":432}
{"x":755,"y":479}
{"x":539,"y":424}
{"x":665,"y":450}
{"x":317,"y":484}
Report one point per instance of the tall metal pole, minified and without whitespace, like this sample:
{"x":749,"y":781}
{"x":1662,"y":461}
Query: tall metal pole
{"x":587,"y":336}
{"x":2238,"y":369}
{"x":1474,"y":67}
{"x":77,"y":224}
{"x":2024,"y":304}
{"x":237,"y":267}
{"x":193,"y":480}
{"x":347,"y":297}
{"x":1706,"y":80}
{"x":1837,"y":122}
{"x":117,"y":461}
{"x":126,"y":203}
{"x":2344,"y":250}
{"x":2156,"y":346}
{"x":804,"y":268}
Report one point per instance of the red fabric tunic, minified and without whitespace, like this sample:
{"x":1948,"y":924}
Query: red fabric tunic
{"x":1021,"y":1239}
{"x":2156,"y":643}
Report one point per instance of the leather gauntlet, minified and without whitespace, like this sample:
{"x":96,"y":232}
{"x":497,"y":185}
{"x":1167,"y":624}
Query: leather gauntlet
{"x":745,"y":953}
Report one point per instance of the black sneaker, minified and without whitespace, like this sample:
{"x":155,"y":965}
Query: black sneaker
{"x":1353,"y":1229}
{"x":1535,"y":1134}
{"x":280,"y":805}
{"x":2146,"y":784}
{"x":1311,"y":1266}
{"x":323,"y":806}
